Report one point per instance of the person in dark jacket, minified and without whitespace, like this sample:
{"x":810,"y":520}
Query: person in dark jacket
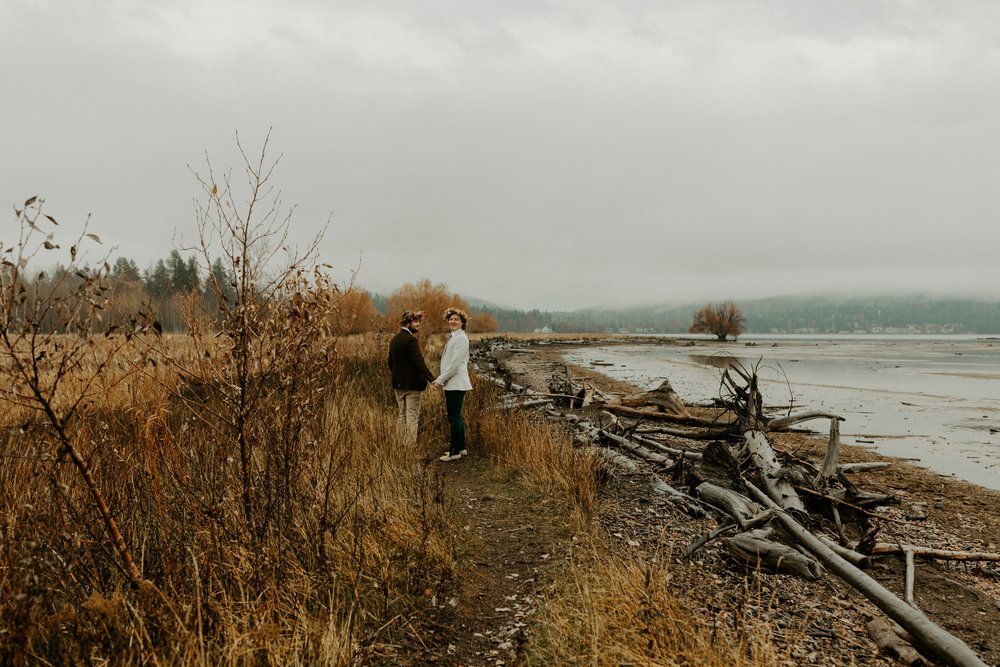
{"x":410,"y":375}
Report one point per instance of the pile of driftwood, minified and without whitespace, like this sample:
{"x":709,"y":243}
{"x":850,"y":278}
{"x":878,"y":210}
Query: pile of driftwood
{"x":776,"y":513}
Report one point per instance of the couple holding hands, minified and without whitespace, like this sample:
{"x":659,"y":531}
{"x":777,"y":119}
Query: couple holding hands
{"x":410,"y":376}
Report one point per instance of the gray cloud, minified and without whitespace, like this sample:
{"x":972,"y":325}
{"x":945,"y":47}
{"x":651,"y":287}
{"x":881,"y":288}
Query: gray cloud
{"x":549,"y":154}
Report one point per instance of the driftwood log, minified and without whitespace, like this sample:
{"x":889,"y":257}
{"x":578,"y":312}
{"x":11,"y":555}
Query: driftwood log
{"x":773,"y":477}
{"x":930,"y":638}
{"x":759,"y":553}
{"x":884,"y":635}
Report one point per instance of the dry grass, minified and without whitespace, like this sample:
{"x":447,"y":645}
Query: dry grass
{"x":356,"y":531}
{"x":621,"y":609}
{"x":358,"y":537}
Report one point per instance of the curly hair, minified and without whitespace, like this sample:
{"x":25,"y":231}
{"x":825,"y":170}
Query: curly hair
{"x":464,"y":316}
{"x":410,"y":316}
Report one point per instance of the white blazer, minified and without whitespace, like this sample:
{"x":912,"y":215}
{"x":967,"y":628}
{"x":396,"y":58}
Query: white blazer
{"x":455,"y":363}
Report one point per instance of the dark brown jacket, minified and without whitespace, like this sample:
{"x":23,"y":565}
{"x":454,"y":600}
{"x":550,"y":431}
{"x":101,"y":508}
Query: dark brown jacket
{"x":409,"y":372}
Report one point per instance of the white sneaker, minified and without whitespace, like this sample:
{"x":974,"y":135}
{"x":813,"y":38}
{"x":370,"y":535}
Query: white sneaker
{"x":464,"y":452}
{"x":449,"y":457}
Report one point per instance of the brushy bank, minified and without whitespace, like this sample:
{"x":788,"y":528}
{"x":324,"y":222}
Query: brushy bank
{"x":346,"y":531}
{"x":357,"y":532}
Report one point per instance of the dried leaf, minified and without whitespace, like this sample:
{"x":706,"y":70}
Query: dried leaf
{"x":51,"y":219}
{"x":93,"y":237}
{"x":30,"y":201}
{"x":48,"y":245}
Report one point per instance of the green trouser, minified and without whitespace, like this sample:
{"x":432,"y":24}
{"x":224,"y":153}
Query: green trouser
{"x":453,"y":403}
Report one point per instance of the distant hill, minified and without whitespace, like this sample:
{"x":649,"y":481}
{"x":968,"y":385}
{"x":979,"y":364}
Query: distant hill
{"x":788,"y":314}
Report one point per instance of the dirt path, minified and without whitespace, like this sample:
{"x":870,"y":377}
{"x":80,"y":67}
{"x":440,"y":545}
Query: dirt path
{"x":509,"y":540}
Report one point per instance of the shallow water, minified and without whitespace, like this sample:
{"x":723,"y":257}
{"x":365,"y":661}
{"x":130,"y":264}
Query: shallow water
{"x":927,"y":398}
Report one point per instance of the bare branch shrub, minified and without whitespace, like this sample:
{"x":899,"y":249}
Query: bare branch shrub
{"x":252,"y":471}
{"x":55,"y":361}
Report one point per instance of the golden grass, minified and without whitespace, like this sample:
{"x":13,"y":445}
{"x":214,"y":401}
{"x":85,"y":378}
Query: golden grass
{"x":621,"y":609}
{"x":353,"y":528}
{"x":357,"y":536}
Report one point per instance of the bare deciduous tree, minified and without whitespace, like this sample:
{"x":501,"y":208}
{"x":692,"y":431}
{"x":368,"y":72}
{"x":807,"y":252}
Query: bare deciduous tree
{"x":722,"y":320}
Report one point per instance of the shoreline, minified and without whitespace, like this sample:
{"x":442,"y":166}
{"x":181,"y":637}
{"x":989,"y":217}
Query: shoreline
{"x":904,"y":399}
{"x":932,"y":509}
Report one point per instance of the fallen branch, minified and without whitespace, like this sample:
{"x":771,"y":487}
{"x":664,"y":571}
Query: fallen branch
{"x":863,"y":467}
{"x":719,"y":431}
{"x":781,"y":423}
{"x":882,"y":549}
{"x":930,"y":638}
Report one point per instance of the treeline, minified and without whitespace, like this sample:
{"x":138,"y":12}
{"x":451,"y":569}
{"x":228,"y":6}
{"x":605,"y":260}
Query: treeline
{"x":817,"y":314}
{"x":176,"y":289}
{"x":874,"y":314}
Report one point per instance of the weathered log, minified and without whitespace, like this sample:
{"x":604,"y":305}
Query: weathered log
{"x":911,"y":568}
{"x":638,"y":450}
{"x":663,"y":397}
{"x":772,"y":556}
{"x":618,"y":459}
{"x":736,"y":505}
{"x":778,"y":488}
{"x":829,"y":468}
{"x":881,"y":632}
{"x":882,"y":549}
{"x":929,"y":638}
{"x":505,"y":384}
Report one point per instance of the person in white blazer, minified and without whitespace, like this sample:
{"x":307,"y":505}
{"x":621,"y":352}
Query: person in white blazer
{"x":454,"y":379}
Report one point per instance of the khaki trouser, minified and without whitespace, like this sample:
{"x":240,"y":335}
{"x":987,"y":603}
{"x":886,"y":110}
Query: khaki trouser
{"x":408,"y":415}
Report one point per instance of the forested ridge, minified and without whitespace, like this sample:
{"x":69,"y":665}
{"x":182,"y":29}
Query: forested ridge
{"x":797,"y":314}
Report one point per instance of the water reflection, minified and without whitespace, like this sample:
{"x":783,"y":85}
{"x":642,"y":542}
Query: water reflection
{"x":723,"y":361}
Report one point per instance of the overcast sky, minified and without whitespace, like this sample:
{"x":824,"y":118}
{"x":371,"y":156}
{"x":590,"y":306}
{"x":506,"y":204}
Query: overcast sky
{"x":549,"y":154}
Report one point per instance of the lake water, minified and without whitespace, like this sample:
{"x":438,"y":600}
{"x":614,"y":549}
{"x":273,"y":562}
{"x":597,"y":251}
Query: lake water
{"x":932,"y":398}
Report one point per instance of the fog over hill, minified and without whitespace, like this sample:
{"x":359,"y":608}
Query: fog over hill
{"x":824,"y":314}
